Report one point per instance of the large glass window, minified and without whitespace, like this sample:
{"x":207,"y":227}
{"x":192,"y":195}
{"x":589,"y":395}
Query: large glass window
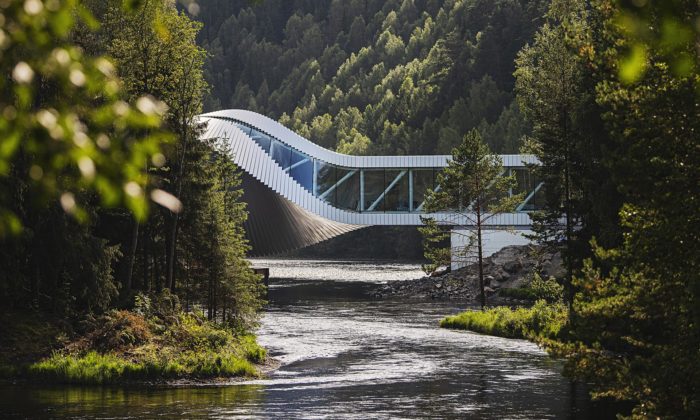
{"x":396,"y":197}
{"x":302,"y":169}
{"x":244,"y":128}
{"x":262,"y":139}
{"x":347,"y":191}
{"x":325,"y":179}
{"x":525,"y":181}
{"x":281,"y":153}
{"x":527,"y":184}
{"x":423,"y":181}
{"x":374,"y":186}
{"x":538,"y":200}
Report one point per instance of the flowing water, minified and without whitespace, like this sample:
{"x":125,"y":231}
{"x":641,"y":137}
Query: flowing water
{"x":346,"y":355}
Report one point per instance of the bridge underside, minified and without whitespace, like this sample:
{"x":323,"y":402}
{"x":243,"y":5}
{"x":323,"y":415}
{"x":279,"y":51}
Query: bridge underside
{"x":275,"y":225}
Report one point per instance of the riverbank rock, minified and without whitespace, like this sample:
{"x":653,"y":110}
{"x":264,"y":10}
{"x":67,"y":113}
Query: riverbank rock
{"x":510,"y":267}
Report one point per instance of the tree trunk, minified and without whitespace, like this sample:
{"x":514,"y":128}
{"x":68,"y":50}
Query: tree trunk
{"x":223,"y":310}
{"x":146,"y":257}
{"x":568,"y":211}
{"x":132,"y":256}
{"x":480,"y":256}
{"x":170,"y":257}
{"x":184,"y":124}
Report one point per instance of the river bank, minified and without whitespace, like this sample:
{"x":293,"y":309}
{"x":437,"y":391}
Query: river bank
{"x":345,"y":354}
{"x":155,"y":343}
{"x":509,"y":269}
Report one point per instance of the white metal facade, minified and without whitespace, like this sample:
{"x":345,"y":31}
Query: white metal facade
{"x":254,"y":160}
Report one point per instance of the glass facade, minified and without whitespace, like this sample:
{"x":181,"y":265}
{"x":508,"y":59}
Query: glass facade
{"x":528,"y":185}
{"x":373,"y":183}
{"x":301,"y":169}
{"x":347,"y":191}
{"x":398,"y":190}
{"x":423,"y":181}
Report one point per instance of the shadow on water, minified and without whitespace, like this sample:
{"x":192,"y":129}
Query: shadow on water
{"x":346,"y":355}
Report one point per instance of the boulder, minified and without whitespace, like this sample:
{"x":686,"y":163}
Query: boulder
{"x":512,"y":266}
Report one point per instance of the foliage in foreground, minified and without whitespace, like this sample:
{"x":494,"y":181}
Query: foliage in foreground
{"x":542,"y":320}
{"x":634,"y":159}
{"x":148,"y":346}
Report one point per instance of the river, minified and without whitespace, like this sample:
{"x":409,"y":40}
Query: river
{"x":346,"y":355}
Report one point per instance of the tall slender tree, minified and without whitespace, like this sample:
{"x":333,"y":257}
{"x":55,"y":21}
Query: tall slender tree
{"x":556,"y":92}
{"x":473,"y":189}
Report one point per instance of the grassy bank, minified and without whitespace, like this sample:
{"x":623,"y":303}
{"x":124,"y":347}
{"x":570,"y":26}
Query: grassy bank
{"x":542,"y":320}
{"x":144,"y":344}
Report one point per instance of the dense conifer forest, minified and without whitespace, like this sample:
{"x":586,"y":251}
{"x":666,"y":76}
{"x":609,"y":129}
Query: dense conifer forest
{"x":373,"y":77}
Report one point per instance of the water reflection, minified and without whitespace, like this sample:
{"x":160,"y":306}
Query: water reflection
{"x":345,"y":355}
{"x":132,"y":402}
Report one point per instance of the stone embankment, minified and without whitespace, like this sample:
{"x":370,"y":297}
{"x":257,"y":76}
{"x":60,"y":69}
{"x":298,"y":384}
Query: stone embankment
{"x":511,"y":267}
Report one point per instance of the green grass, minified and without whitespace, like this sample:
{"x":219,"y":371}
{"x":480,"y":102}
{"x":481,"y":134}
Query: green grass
{"x":542,"y":320}
{"x":95,"y":368}
{"x":130,"y":347}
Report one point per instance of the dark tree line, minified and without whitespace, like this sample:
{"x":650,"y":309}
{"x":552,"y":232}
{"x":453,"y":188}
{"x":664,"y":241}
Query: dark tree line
{"x":613,"y":93}
{"x":81,"y":256}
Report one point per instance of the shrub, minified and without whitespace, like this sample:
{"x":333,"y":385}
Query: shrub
{"x":538,"y":288}
{"x":549,"y":289}
{"x":520,"y":293}
{"x":121,"y":329}
{"x":252,"y":350}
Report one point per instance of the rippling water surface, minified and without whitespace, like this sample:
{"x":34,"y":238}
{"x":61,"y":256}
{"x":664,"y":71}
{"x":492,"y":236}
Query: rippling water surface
{"x":345,"y":355}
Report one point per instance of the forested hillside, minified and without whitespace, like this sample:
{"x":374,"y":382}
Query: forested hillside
{"x":372,"y":76}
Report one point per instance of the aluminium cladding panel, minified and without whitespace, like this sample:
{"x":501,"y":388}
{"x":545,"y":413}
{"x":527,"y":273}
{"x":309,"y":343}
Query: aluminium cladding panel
{"x":261,"y":166}
{"x":266,"y":170}
{"x":307,"y":202}
{"x":277,"y":130}
{"x":246,"y":153}
{"x":324,"y":211}
{"x":237,"y":140}
{"x":278,"y":182}
{"x":296,"y":196}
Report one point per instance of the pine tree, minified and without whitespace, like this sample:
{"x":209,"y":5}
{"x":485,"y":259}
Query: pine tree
{"x":473,"y":190}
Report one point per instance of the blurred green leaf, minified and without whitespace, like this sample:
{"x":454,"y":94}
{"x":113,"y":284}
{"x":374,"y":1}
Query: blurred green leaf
{"x":633,"y":65}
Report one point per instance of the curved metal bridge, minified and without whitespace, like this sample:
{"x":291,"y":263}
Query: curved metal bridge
{"x":299,"y":193}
